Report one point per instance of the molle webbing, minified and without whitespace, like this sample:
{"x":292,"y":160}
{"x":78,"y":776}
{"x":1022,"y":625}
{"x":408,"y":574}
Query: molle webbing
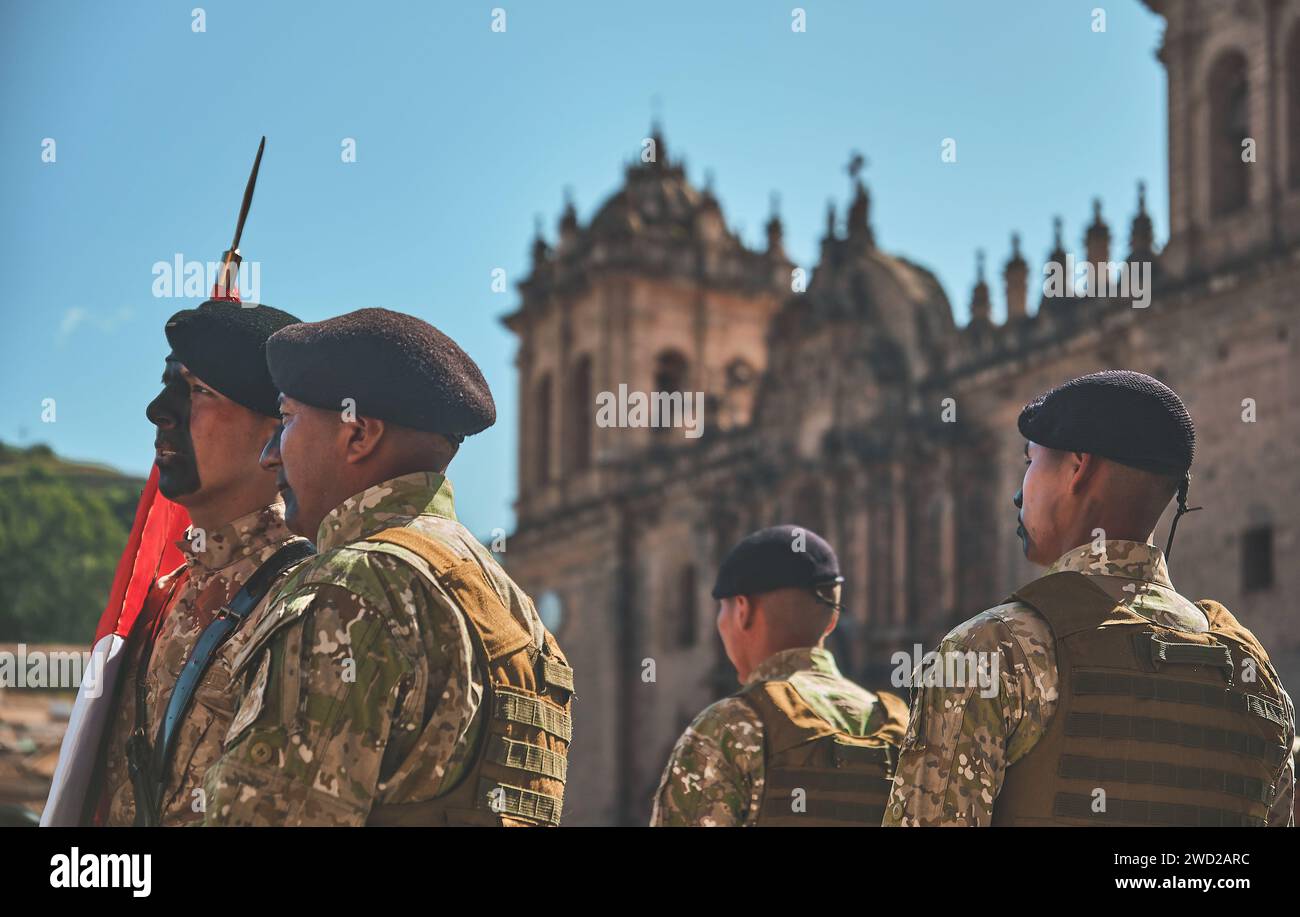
{"x":1163,"y":732}
{"x":1072,"y":807}
{"x":519,"y":802}
{"x":1163,"y":651}
{"x":517,"y":771}
{"x":529,"y":711}
{"x":1173,"y":691}
{"x":1163,"y":773}
{"x":1150,"y":726}
{"x":527,"y":757}
{"x":815,"y":775}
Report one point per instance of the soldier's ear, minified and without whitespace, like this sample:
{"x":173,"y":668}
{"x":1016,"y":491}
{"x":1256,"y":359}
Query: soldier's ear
{"x":1085,"y":467}
{"x":746,"y":610}
{"x":364,"y":437}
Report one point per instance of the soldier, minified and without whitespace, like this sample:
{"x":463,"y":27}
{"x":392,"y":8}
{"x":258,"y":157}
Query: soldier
{"x":153,"y":705}
{"x":215,"y":411}
{"x":800,"y":744}
{"x":400,"y":677}
{"x":1119,"y":701}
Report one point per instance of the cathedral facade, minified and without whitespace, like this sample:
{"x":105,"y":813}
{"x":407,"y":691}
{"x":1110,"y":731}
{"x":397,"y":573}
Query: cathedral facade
{"x":854,"y":405}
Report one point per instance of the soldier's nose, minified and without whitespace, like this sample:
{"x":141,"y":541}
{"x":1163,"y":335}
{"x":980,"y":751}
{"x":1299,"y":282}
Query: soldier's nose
{"x":270,"y":458}
{"x":1019,"y":499}
{"x":158,"y":415}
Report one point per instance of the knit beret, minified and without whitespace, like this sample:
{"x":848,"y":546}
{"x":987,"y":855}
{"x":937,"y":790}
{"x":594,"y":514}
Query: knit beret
{"x":1125,"y":416}
{"x":780,"y":557}
{"x":224,"y":344}
{"x":394,"y":366}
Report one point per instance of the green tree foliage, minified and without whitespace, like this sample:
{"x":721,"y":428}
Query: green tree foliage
{"x":62,"y":530}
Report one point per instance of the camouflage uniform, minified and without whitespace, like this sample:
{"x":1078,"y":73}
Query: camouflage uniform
{"x":360,"y":686}
{"x":209,"y":579}
{"x":959,"y":743}
{"x":714,"y":777}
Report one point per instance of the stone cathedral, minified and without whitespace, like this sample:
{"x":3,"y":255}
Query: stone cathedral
{"x":856,"y":406}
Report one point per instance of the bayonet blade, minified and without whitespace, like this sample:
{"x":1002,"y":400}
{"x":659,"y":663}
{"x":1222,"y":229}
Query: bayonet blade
{"x":248,"y":196}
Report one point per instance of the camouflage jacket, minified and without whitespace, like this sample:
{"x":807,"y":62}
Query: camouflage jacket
{"x":216,"y":565}
{"x":960,"y":742}
{"x":714,"y":776}
{"x":360,"y":685}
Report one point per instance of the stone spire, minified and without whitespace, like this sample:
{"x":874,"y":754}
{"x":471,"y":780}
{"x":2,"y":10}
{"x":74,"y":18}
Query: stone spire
{"x":541,"y":251}
{"x":1097,"y":244}
{"x":1015,"y":276}
{"x":980,"y":307}
{"x":1141,"y":236}
{"x":661,"y":148}
{"x":859,"y":220}
{"x":828,"y":238}
{"x":707,"y":192}
{"x":568,"y":221}
{"x":775,"y":231}
{"x":1055,"y":257}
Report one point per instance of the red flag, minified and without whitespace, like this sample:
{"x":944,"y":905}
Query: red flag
{"x":150,"y":551}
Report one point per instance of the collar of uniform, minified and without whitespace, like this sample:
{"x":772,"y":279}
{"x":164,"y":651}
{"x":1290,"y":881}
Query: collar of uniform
{"x":787,"y":662}
{"x":235,"y":540}
{"x":391,"y":503}
{"x":1129,"y":559}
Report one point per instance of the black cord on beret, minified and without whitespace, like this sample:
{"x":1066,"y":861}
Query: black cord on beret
{"x":1182,"y":510}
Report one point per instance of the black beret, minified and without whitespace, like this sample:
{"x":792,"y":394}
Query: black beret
{"x":1124,"y":416}
{"x":224,"y":344}
{"x":781,"y":557}
{"x":394,"y":366}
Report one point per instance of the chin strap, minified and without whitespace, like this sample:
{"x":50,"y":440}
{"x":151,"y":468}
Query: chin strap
{"x":825,"y":598}
{"x":1182,"y":508}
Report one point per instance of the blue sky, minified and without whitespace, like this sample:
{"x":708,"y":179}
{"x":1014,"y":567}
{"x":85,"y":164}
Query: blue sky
{"x":463,"y":135}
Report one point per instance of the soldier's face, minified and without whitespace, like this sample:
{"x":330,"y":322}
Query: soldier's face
{"x":206,"y":445}
{"x":1040,"y":501}
{"x":300,"y":453}
{"x":178,"y":469}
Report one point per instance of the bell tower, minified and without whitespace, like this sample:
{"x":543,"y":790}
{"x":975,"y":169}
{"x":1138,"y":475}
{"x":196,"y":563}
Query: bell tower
{"x":655,"y":294}
{"x":1234,"y":131}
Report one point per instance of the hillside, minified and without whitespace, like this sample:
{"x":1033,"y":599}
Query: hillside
{"x":62,"y":528}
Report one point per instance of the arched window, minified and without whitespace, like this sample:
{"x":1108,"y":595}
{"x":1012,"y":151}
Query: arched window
{"x":543,"y":467}
{"x":671,"y":378}
{"x":1293,"y":107}
{"x":1229,"y":93}
{"x":741,"y":389}
{"x":581,"y":408}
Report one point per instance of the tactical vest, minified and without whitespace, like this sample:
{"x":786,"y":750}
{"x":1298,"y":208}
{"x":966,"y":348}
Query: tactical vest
{"x":845,"y":778}
{"x":1159,"y":720}
{"x":515,"y":773}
